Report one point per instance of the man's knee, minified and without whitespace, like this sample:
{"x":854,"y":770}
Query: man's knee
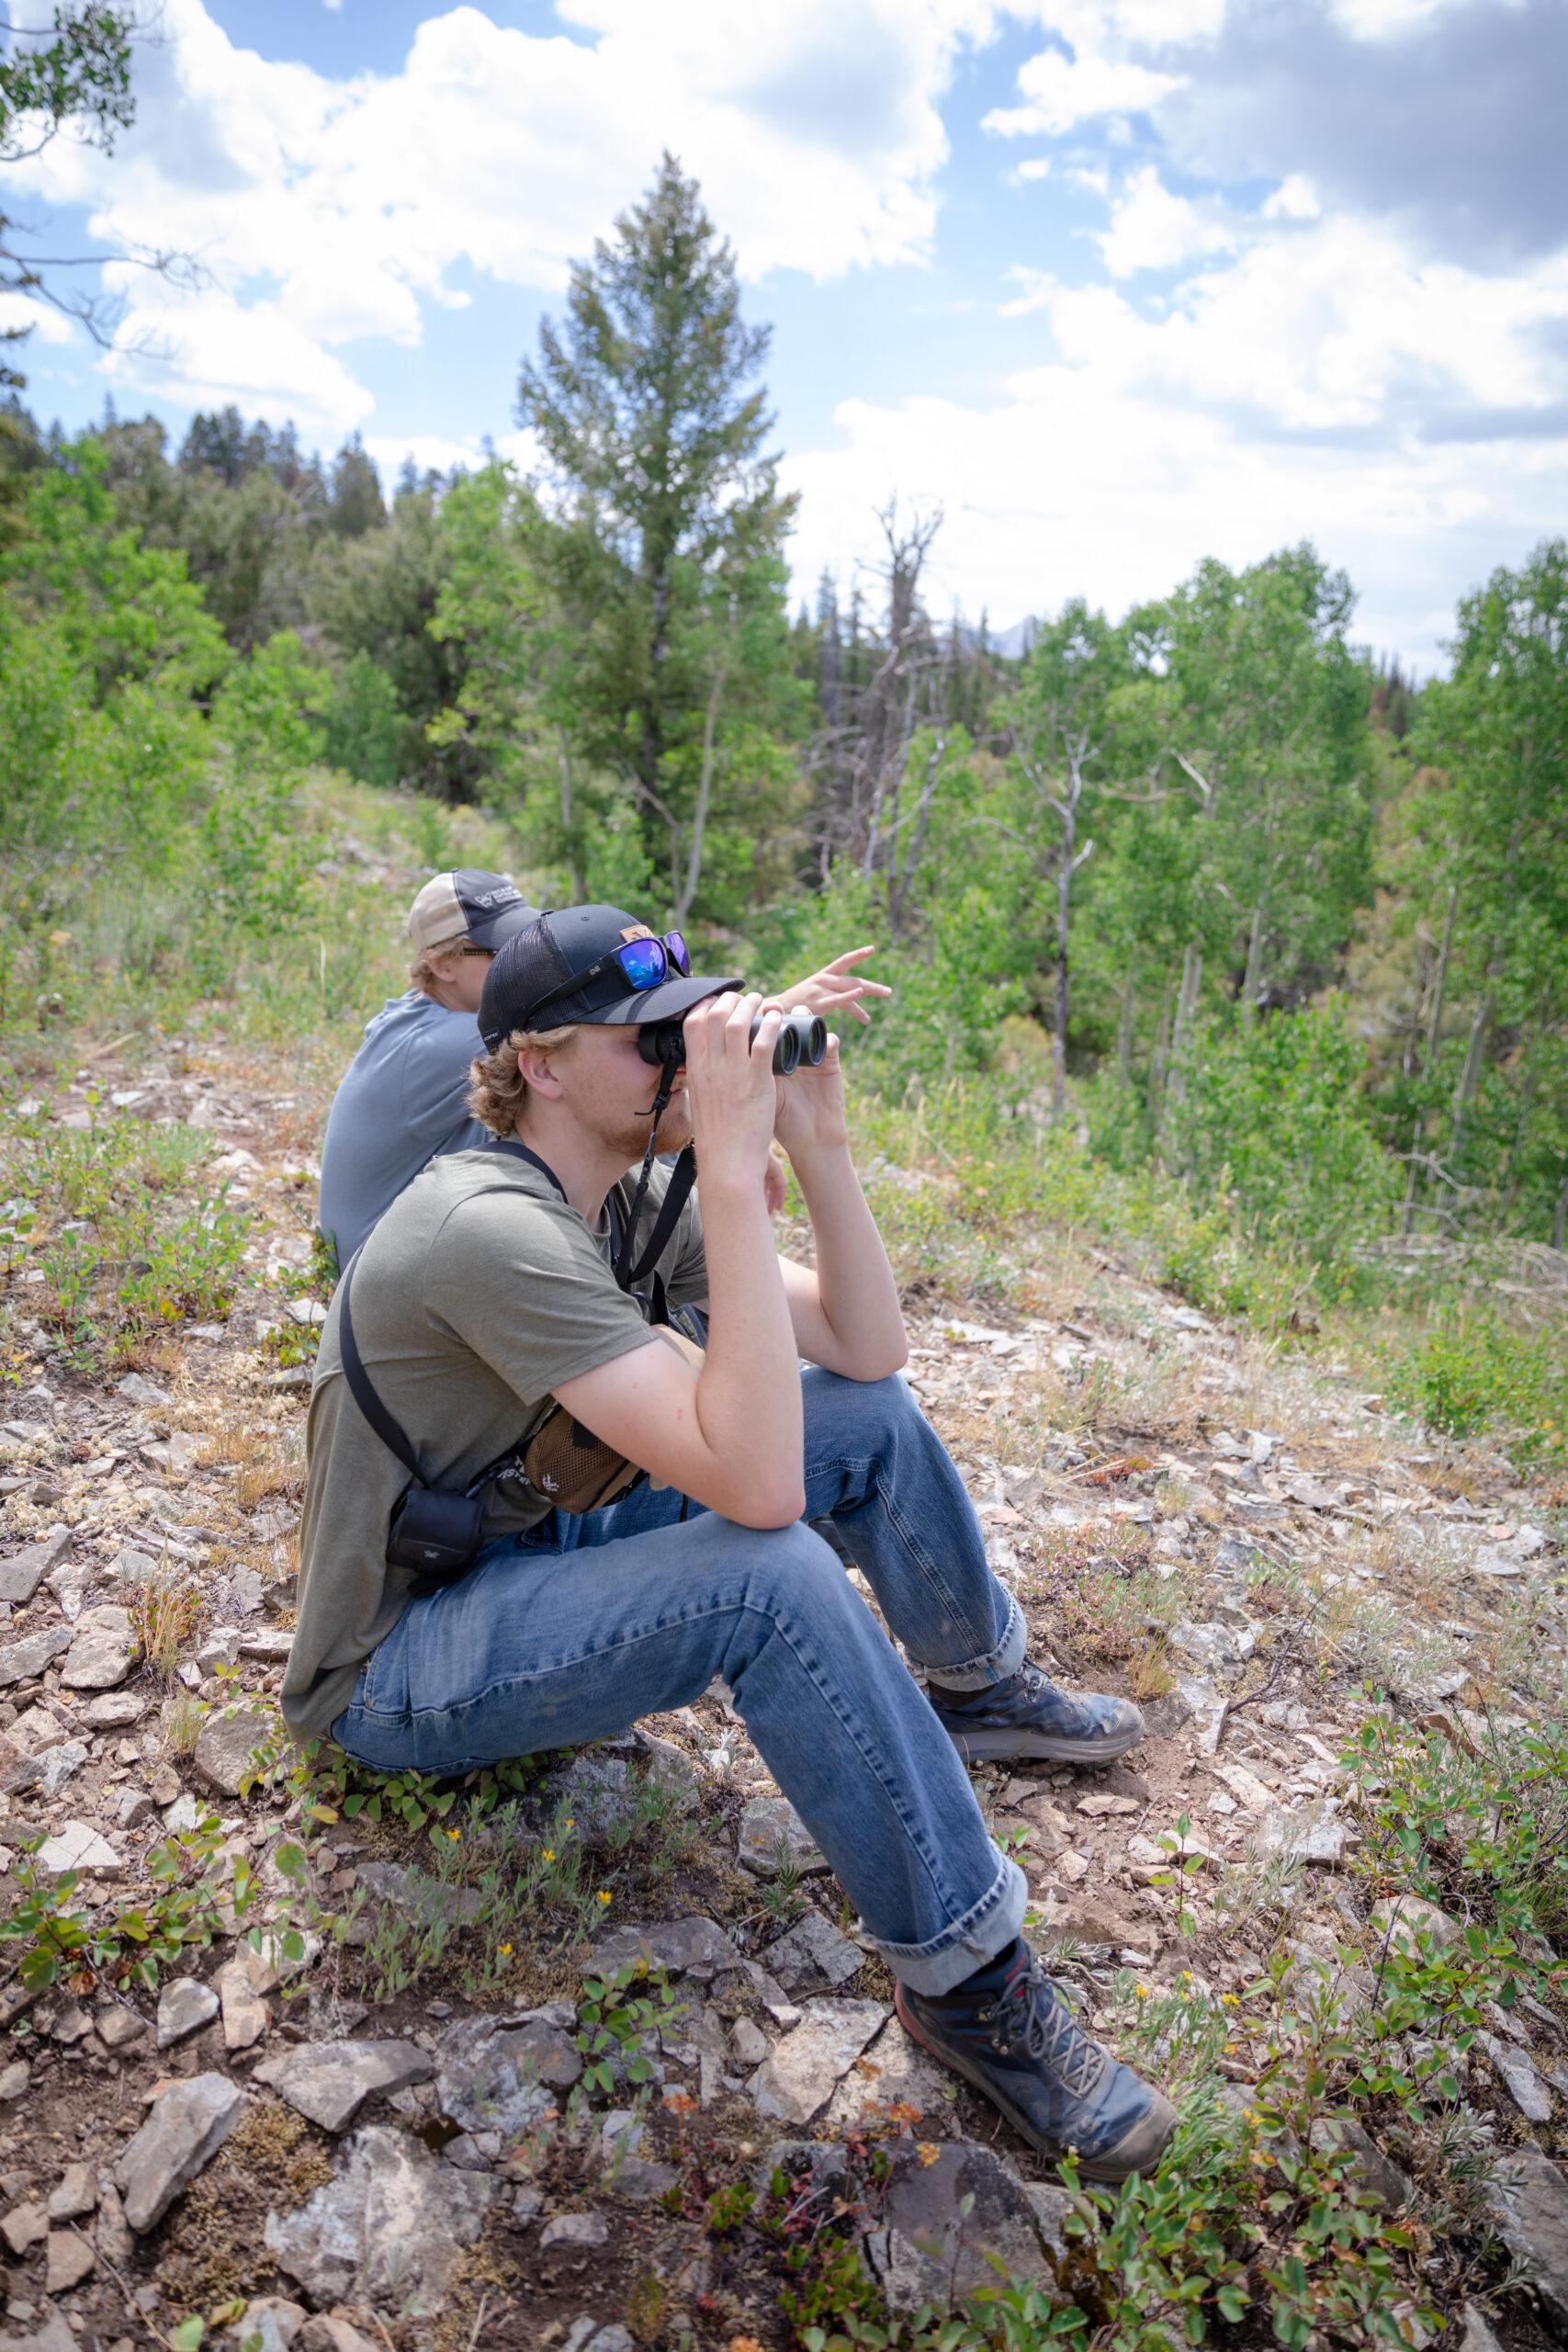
{"x":863,"y":1405}
{"x":796,"y":1573}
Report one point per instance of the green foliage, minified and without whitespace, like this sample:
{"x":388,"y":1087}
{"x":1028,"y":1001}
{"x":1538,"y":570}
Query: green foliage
{"x":257,"y":853}
{"x":136,"y":1942}
{"x":363,"y":729}
{"x":616,"y":2015}
{"x":1272,"y":1117}
{"x":1473,"y":1372}
{"x":102,"y":1215}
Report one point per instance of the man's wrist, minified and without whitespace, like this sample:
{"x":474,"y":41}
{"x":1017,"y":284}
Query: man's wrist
{"x":820,"y":1157}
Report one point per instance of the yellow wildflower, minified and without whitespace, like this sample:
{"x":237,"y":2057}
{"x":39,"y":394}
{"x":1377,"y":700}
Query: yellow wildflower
{"x":549,"y":1854}
{"x":506,"y":1951}
{"x":602,"y":1895}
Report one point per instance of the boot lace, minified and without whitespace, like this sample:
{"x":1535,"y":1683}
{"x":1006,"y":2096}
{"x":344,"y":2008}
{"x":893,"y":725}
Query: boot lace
{"x":1032,"y":2013}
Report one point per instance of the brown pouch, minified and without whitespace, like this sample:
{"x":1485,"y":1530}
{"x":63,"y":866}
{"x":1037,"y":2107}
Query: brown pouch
{"x":575,"y":1469}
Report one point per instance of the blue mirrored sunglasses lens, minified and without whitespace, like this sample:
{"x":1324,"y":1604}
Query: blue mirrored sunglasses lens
{"x":643,"y":962}
{"x":680,"y":954}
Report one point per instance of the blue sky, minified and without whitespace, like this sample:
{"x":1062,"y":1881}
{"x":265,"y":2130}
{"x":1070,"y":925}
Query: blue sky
{"x":1118,"y":284}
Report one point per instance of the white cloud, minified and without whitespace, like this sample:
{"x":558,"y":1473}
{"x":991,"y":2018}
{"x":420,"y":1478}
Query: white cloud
{"x":18,"y":314}
{"x":1295,"y":199}
{"x":332,"y":211}
{"x":1060,"y":92}
{"x":1295,"y":393}
{"x":1153,"y":228}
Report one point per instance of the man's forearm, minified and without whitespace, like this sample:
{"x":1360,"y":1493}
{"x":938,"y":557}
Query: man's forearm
{"x":749,"y":1404}
{"x":858,"y":1296}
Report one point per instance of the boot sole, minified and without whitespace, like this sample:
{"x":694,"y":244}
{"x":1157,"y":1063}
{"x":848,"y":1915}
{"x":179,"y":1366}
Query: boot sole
{"x":1002,"y":1747}
{"x":1138,"y":2150}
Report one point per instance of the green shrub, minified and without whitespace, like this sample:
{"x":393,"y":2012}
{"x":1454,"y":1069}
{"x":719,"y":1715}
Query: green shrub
{"x":1474,"y":1373}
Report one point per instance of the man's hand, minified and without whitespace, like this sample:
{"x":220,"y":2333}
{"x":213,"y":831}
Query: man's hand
{"x":732,"y":1089}
{"x":811,"y":1118}
{"x":835,"y":990}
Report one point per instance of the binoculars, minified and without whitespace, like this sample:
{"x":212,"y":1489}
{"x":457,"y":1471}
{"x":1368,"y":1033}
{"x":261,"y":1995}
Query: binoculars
{"x":803,"y":1038}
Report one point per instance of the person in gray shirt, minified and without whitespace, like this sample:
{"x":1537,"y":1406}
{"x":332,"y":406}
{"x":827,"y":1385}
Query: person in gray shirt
{"x":403,"y":1099}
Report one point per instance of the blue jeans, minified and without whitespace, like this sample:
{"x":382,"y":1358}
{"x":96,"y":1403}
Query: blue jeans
{"x":573,"y":1631}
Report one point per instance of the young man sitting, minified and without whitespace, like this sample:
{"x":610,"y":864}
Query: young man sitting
{"x":488,"y":1294}
{"x":404,"y":1097}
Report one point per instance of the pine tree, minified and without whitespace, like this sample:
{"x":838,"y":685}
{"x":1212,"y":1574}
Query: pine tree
{"x":668,"y":518}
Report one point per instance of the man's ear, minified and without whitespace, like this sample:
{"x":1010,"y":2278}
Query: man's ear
{"x":537,"y":1065}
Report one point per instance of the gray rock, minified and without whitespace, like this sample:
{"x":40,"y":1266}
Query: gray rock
{"x":118,"y":2026}
{"x":928,"y":2251}
{"x":188,"y":2123}
{"x":1529,"y":2203}
{"x":415,"y":1895}
{"x":330,"y":2082}
{"x":813,"y":1955}
{"x":489,"y":2078}
{"x":1524,"y":2086}
{"x":327,"y":2332}
{"x":1478,"y":2335}
{"x":602,"y":1792}
{"x":1210,"y":1648}
{"x":245,"y":2014}
{"x":58,"y":1765}
{"x":771,"y":1829}
{"x":112,"y":2234}
{"x":67,"y":2259}
{"x":22,"y":1574}
{"x":144,"y":1394}
{"x":805,"y":2066}
{"x":1315,"y":1832}
{"x":77,"y":1846}
{"x":1402,"y":1920}
{"x":115,"y":1710}
{"x":23,"y":1661}
{"x":748,"y":2043}
{"x":23,"y":2227}
{"x":693,"y":1947}
{"x":892,"y":2072}
{"x":69,"y":1582}
{"x":388,"y":2229}
{"x":574,"y":2229}
{"x":586,"y":2335}
{"x":1378,"y":2175}
{"x":227,"y":1745}
{"x":75,"y":2193}
{"x":14,"y":2077}
{"x":275,"y":2319}
{"x":184,"y":2006}
{"x":101,"y":1649}
{"x":52,"y":2336}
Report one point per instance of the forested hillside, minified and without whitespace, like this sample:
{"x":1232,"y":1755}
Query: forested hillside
{"x":1207,"y":881}
{"x":1218,"y":1129}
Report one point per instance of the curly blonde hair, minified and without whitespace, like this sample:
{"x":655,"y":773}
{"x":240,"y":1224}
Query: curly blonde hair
{"x":498,"y":1087}
{"x":433,"y":964}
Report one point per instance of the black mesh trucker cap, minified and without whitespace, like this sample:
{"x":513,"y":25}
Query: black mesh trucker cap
{"x":544,"y":957}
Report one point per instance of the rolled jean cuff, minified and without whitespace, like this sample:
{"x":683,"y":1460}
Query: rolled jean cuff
{"x":987,"y":1928}
{"x":996,"y":1666}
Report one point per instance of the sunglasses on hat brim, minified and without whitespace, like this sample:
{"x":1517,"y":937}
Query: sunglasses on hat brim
{"x":642,"y":962}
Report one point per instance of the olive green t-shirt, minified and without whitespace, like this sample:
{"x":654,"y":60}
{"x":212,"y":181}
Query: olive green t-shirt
{"x":477,"y":1295}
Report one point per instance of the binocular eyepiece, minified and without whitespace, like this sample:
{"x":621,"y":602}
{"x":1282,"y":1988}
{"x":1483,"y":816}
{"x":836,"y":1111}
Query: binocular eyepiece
{"x":803,"y":1038}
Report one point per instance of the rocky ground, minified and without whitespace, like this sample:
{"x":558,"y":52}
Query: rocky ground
{"x":301,"y":2076}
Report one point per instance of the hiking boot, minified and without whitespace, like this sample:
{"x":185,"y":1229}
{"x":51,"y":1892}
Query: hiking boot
{"x":1026,"y":1716}
{"x":1008,"y":2031}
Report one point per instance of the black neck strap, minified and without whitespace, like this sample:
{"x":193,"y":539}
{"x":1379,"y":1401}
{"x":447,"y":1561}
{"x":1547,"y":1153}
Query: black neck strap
{"x":682,"y":1176}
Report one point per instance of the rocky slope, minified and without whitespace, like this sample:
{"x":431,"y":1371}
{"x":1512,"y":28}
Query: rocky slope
{"x":317,"y":2079}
